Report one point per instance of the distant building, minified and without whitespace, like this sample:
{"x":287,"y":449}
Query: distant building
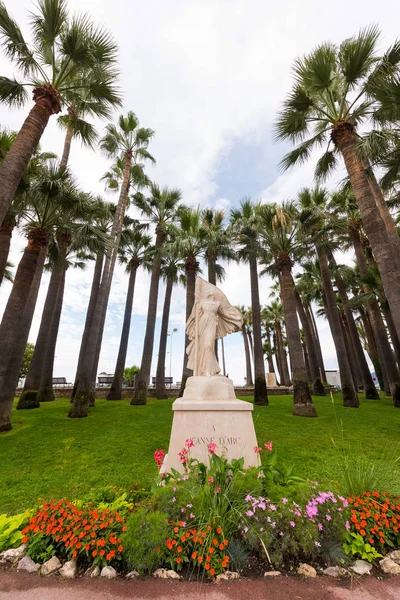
{"x":333,"y":378}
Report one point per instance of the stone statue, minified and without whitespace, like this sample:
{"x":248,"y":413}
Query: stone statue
{"x":212,"y":318}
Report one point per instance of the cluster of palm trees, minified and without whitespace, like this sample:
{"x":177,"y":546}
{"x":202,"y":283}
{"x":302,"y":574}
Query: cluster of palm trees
{"x":72,"y":67}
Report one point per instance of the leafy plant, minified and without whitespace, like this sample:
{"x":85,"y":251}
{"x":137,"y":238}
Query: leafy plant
{"x":238,"y":554}
{"x":144,"y":540}
{"x":375,"y":516}
{"x":41,"y":548}
{"x":28,"y":399}
{"x":357,"y":546}
{"x":10,"y":530}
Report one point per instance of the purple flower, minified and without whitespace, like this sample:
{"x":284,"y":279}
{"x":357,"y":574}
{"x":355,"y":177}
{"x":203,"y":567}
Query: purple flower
{"x":182,"y":510}
{"x":249,"y":513}
{"x":174,"y":499}
{"x":189,"y":505}
{"x":191,"y":515}
{"x":347,"y":526}
{"x":245,"y":529}
{"x":285,"y":500}
{"x":317,"y":544}
{"x":272,"y":507}
{"x":281,"y":533}
{"x":183,"y":523}
{"x":320,"y":526}
{"x":328,"y":518}
{"x":292,"y":524}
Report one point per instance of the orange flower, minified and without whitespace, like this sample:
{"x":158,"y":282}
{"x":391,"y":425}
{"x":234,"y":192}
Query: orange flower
{"x":207,"y":567}
{"x":215,"y":542}
{"x":120,"y":548}
{"x":178,"y":560}
{"x":362,"y":532}
{"x":179,"y":548}
{"x":24,"y":539}
{"x":221,"y":546}
{"x":212,"y":571}
{"x":102,"y":552}
{"x":87,"y":546}
{"x":200,"y":559}
{"x":219,"y":530}
{"x":194,"y":555}
{"x":94,"y":553}
{"x":211,"y":550}
{"x":74,"y":554}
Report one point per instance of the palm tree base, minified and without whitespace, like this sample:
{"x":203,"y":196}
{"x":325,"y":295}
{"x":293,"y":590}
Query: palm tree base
{"x":161,"y":395}
{"x":28,"y":399}
{"x":304,"y":410}
{"x":114,"y":394}
{"x":318,"y":388}
{"x":80,"y":406}
{"x":371,"y":393}
{"x":46,"y":395}
{"x":5,"y":424}
{"x":139,"y":397}
{"x":350,"y":398}
{"x":260,"y":392}
{"x":395,"y":389}
{"x":92,"y":398}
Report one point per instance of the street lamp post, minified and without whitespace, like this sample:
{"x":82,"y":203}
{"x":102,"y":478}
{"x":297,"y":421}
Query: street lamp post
{"x":170,"y":333}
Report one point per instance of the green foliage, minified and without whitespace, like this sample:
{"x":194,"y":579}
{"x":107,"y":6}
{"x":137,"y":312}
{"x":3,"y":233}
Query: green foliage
{"x":28,"y":399}
{"x":144,"y":540}
{"x":130,"y":373}
{"x":238,"y":555}
{"x":41,"y":548}
{"x":11,"y":530}
{"x":357,"y":546}
{"x":27,"y":359}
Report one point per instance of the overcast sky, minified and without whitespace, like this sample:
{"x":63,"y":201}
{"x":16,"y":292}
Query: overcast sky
{"x":209,"y":77}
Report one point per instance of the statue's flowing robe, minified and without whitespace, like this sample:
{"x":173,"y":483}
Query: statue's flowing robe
{"x":211,"y":318}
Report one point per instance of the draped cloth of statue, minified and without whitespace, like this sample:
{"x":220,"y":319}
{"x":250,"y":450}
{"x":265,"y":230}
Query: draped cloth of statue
{"x":212,"y":318}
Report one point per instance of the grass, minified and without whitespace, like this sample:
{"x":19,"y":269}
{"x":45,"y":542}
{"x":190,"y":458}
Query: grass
{"x":49,"y":456}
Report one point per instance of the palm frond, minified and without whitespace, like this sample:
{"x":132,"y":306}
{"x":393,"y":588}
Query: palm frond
{"x":13,"y":43}
{"x":357,"y":55}
{"x":303,"y":151}
{"x":12,"y":92}
{"x":49,"y":22}
{"x":325,"y":165}
{"x":315,"y":72}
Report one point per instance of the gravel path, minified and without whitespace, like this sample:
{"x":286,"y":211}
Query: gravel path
{"x":21,"y":586}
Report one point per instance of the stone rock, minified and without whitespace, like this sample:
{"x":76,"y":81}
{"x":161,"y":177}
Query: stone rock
{"x":228,"y":576}
{"x":93,"y":571}
{"x":27,"y":564}
{"x":50,"y":566}
{"x":166,"y":574}
{"x":272,"y":573}
{"x":69,"y":570}
{"x":361,"y":567}
{"x":336,"y":572}
{"x":395,"y":555}
{"x":13,"y":555}
{"x":132,"y":575}
{"x":389,"y":566}
{"x":108,"y":572}
{"x":306,"y":570}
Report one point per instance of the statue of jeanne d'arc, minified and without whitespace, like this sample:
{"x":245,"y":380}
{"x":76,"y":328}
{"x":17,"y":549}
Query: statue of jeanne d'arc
{"x":212,"y":318}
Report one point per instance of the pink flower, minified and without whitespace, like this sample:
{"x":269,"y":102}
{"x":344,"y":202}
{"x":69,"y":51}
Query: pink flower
{"x":183,"y":455}
{"x":292,"y":524}
{"x":189,"y":443}
{"x":347,"y":526}
{"x":285,"y":500}
{"x":268,"y":446}
{"x":212,"y":447}
{"x":257,"y":450}
{"x":217,"y":489}
{"x":210,"y":480}
{"x":159,"y":457}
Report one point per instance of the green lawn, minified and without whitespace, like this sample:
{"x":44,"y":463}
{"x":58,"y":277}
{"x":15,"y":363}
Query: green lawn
{"x":49,"y":455}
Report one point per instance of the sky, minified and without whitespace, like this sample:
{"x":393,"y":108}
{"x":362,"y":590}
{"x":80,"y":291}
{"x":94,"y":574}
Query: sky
{"x":209,"y":77}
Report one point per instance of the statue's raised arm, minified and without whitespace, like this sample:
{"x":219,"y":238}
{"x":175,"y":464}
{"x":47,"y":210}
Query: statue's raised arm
{"x":212,"y":318}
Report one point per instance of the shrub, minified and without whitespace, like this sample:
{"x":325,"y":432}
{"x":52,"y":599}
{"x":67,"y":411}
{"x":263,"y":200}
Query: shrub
{"x":62,"y":528}
{"x":375,"y":516}
{"x":10,"y":530}
{"x":28,"y":399}
{"x":144,"y":541}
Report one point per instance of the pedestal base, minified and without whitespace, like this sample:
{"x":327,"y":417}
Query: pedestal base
{"x":207,"y":413}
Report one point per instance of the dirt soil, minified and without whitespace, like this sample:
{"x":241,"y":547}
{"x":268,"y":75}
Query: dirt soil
{"x":21,"y":586}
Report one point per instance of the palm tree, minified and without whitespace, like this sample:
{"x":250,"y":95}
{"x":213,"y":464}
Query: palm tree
{"x":268,"y":347}
{"x":170,"y":271}
{"x":314,"y":225}
{"x":275,"y":315}
{"x":56,"y":65}
{"x":279,"y":229}
{"x":54,"y":200}
{"x":249,"y":377}
{"x":189,"y":242}
{"x":219,"y":243}
{"x":132,"y":142}
{"x":245,"y":227}
{"x":332,"y":95}
{"x":134,"y":252}
{"x":160,"y":208}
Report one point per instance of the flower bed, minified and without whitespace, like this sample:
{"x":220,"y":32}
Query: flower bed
{"x":211,"y":518}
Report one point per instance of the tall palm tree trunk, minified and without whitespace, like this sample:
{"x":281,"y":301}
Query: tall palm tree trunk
{"x":372,"y":348}
{"x":115,"y":392}
{"x":89,"y":314}
{"x":46,"y":393}
{"x":191,"y":268}
{"x":17,"y":319}
{"x":161,"y":392}
{"x":34,"y":375}
{"x":350,"y":353}
{"x":16,"y":160}
{"x":349,"y":393}
{"x":370,"y":391}
{"x":315,"y":334}
{"x":271,"y":368}
{"x":143,"y":378}
{"x":260,"y":384}
{"x":282,"y":361}
{"x":251,"y":345}
{"x":302,"y":402}
{"x":392,"y":331}
{"x":67,"y":147}
{"x":6,"y":231}
{"x":377,"y":221}
{"x":385,"y":352}
{"x":249,"y":375}
{"x":315,"y":377}
{"x":85,"y":386}
{"x":307,"y":362}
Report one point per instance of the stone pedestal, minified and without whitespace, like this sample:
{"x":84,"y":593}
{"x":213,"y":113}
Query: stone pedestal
{"x":271,"y":380}
{"x":209,"y":412}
